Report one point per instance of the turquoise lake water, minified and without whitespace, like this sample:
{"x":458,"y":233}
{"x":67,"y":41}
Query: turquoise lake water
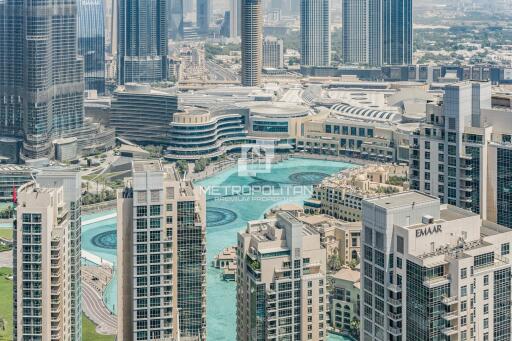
{"x":232,"y":200}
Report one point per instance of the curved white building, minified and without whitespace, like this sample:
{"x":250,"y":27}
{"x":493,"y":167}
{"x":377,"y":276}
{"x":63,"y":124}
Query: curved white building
{"x":196,"y":133}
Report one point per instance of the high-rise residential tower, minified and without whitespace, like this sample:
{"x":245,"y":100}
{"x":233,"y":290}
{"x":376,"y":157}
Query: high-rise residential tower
{"x":355,"y":20}
{"x":175,"y":19}
{"x":281,"y":281}
{"x":433,"y":272}
{"x":252,"y":42}
{"x":142,"y":41}
{"x":46,"y":259}
{"x":41,"y":76}
{"x":91,"y":42}
{"x":377,"y":32}
{"x":161,"y":256}
{"x":397,"y":32}
{"x":235,"y":18}
{"x":315,"y":33}
{"x":203,"y":16}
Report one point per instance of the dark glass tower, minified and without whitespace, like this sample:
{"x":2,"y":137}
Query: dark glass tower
{"x":397,"y":32}
{"x":142,"y":41}
{"x":41,"y":76}
{"x":91,"y":43}
{"x":204,"y":11}
{"x":252,"y":42}
{"x":175,"y":19}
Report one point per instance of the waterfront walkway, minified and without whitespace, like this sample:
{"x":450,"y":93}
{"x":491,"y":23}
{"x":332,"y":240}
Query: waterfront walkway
{"x":96,"y":311}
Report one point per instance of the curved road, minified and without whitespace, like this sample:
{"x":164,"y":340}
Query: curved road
{"x":95,"y":309}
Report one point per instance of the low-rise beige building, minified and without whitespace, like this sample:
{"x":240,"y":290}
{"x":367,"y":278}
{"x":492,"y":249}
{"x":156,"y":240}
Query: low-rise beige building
{"x":344,"y":301}
{"x":341,"y":240}
{"x":281,"y":281}
{"x":341,"y":195}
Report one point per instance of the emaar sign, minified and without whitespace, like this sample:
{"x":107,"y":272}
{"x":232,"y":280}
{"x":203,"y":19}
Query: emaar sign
{"x":427,"y":231}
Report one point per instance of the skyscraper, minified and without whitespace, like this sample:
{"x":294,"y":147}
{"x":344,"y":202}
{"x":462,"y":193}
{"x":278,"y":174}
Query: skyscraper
{"x":355,"y":45}
{"x":432,"y":272}
{"x":315,"y":33}
{"x":281,"y":281}
{"x":161,"y":256}
{"x":397,"y":32}
{"x":142,"y":41}
{"x":252,"y":42}
{"x":235,"y":18}
{"x":377,"y":32}
{"x":91,"y":42}
{"x":46,"y":257}
{"x":175,"y":20}
{"x":42,"y":96}
{"x":203,"y":16}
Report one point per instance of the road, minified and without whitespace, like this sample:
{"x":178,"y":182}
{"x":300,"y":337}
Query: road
{"x":95,"y":309}
{"x":217,"y":72}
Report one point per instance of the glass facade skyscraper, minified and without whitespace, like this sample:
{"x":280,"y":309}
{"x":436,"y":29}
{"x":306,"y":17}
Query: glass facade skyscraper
{"x":397,"y":32}
{"x":252,"y":42}
{"x":142,"y":41}
{"x":504,"y":186}
{"x":315,"y":34}
{"x":91,"y":43}
{"x":204,"y":12}
{"x":175,"y":19}
{"x":42,"y":96}
{"x":377,"y":32}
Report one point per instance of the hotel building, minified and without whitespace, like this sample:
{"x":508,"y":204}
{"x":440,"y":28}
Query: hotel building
{"x":281,"y":281}
{"x":46,"y":259}
{"x":161,"y":256}
{"x":432,"y":271}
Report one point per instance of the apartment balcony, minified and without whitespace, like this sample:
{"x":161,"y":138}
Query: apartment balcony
{"x":450,"y":315}
{"x":394,"y":316}
{"x":499,"y":262}
{"x":395,"y":331}
{"x":395,"y":288}
{"x":432,"y":282}
{"x":394,"y":302}
{"x":449,"y":300}
{"x":449,"y":331}
{"x":468,"y":200}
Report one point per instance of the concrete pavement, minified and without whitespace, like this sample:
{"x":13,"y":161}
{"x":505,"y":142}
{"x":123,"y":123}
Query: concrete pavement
{"x":95,"y":309}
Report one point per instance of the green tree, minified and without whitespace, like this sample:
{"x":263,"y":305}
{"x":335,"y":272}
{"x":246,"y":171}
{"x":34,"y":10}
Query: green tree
{"x":182,"y":166}
{"x":201,"y":164}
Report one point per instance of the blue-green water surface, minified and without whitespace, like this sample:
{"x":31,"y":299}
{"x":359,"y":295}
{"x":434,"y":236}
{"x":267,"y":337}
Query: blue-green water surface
{"x":232,"y":200}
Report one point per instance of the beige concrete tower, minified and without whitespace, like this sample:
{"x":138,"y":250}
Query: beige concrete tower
{"x":281,"y":283}
{"x":42,"y":265}
{"x":161,"y":256}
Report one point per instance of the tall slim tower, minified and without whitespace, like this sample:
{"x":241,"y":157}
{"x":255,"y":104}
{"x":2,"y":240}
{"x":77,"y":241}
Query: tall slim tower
{"x":377,"y":32}
{"x":235,"y":17}
{"x":281,"y":281}
{"x":252,"y":42}
{"x":42,"y":95}
{"x":397,"y":32}
{"x":91,"y":42}
{"x":203,"y":15}
{"x":161,"y":256}
{"x":175,"y":20}
{"x":142,"y":41}
{"x":315,"y":33}
{"x":46,"y":259}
